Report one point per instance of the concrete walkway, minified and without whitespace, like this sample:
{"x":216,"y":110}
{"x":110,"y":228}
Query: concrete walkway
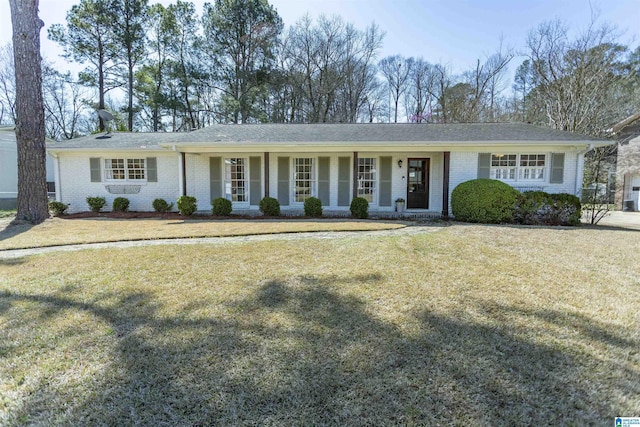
{"x":409,"y":230}
{"x":630,"y":220}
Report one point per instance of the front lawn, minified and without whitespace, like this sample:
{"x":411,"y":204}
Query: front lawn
{"x":58,"y":231}
{"x":470,"y":325}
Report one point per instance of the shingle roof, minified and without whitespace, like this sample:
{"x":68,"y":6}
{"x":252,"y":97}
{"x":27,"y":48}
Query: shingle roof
{"x":331,"y":133}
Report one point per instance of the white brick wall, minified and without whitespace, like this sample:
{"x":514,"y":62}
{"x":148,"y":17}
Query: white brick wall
{"x":76,"y":185}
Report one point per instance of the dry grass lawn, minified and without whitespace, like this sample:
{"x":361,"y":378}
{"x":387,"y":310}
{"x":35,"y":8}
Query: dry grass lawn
{"x":57,"y":231}
{"x":471,"y":325}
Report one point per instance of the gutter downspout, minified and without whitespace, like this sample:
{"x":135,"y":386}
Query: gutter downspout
{"x":580,"y":170}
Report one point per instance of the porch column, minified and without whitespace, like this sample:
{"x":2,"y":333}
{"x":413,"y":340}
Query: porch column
{"x":355,"y":175}
{"x":266,"y":174}
{"x":445,"y":184}
{"x":183,"y":165}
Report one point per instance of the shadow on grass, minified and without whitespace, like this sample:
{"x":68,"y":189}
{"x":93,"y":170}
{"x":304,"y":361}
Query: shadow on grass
{"x":10,"y":262}
{"x":14,"y":228}
{"x":299,"y":351}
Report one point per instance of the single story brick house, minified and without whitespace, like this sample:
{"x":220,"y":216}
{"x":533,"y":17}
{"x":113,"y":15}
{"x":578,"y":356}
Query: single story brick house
{"x":421,"y":163}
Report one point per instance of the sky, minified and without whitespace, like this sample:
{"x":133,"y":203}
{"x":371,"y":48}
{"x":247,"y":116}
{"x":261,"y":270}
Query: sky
{"x":455,"y":33}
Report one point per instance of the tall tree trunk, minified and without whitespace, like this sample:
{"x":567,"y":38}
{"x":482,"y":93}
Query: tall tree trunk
{"x":30,"y":131}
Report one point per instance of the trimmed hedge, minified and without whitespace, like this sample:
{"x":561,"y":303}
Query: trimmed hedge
{"x":270,"y":206}
{"x":187,"y":205}
{"x":161,"y":206}
{"x":540,"y":208}
{"x":313,"y":207}
{"x":96,"y":203}
{"x":221,"y":207}
{"x":485,"y":201}
{"x":57,"y":208}
{"x":120,"y":204}
{"x":359,"y":208}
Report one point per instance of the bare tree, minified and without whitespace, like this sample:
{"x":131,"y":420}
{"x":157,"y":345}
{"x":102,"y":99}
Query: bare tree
{"x":32,"y":176}
{"x":577,"y":80}
{"x":7,"y":85}
{"x":396,"y":70}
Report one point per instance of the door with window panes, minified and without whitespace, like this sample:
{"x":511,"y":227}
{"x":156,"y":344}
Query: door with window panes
{"x":418,"y":184}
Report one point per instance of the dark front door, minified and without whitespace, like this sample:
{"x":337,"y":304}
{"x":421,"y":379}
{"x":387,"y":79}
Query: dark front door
{"x":418,"y":184}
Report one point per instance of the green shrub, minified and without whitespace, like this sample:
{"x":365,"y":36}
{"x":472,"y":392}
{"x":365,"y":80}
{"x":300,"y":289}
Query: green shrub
{"x":359,"y":208}
{"x":221,"y":207}
{"x":313,"y":207}
{"x":57,"y":208}
{"x":485,"y":201}
{"x":187,"y":205}
{"x":120,"y":204}
{"x":96,"y":203}
{"x":540,"y":208}
{"x":568,"y":207}
{"x":270,"y":206}
{"x":161,"y":206}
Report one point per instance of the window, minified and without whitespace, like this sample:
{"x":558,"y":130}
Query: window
{"x":531,"y":167}
{"x":367,"y":178}
{"x":114,"y":169}
{"x":503,"y":166}
{"x":304,"y":179}
{"x":125,"y":169}
{"x":135,"y":169}
{"x":518,"y":167}
{"x":235,"y":179}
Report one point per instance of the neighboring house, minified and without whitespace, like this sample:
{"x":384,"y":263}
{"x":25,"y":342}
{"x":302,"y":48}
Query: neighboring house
{"x":421,"y":163}
{"x":9,"y":168}
{"x":627,"y":133}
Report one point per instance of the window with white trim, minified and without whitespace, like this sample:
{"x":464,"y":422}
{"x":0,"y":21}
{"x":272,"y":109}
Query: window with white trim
{"x":367,"y":178}
{"x":125,"y":169}
{"x":503,"y":166}
{"x":304,"y":179}
{"x":518,"y":167}
{"x":531,"y":167}
{"x":235,"y":181}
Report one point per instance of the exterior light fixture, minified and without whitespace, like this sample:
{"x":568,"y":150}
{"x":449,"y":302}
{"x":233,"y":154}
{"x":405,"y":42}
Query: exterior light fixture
{"x":400,"y":163}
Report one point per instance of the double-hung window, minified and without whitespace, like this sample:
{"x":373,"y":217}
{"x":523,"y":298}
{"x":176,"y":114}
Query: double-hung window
{"x":304,"y":177}
{"x":531,"y":167}
{"x":125,"y":169}
{"x":518,"y":167}
{"x":235,"y":185}
{"x":367,"y":178}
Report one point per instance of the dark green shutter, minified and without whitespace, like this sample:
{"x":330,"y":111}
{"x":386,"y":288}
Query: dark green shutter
{"x":323,"y":180}
{"x":96,"y":173}
{"x":152,"y":169}
{"x":283,"y":181}
{"x":385,"y":182}
{"x":484,"y":165}
{"x":215,"y":177}
{"x":557,"y":168}
{"x":344,"y":181}
{"x":255,"y":180}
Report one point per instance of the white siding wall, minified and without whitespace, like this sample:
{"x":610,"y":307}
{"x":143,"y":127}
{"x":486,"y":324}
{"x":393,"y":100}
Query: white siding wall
{"x":76,"y":185}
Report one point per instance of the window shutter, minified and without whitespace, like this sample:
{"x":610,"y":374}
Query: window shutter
{"x":557,"y":168}
{"x":255,"y":180}
{"x":215,"y":177}
{"x":283,"y":181}
{"x":344,"y":181}
{"x":96,"y":173}
{"x":385,"y":182}
{"x":152,"y":169}
{"x":484,"y":165}
{"x":323,"y":180}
